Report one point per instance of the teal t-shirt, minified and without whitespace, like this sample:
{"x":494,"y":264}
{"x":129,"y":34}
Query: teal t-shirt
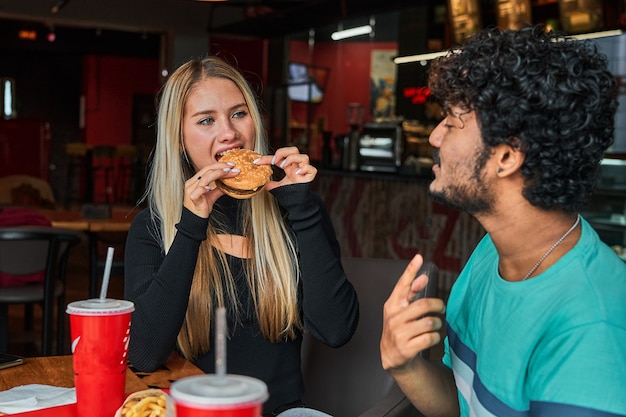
{"x":554,"y":345}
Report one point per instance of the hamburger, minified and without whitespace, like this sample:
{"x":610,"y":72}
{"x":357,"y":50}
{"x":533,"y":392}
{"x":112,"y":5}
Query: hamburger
{"x":250,"y":181}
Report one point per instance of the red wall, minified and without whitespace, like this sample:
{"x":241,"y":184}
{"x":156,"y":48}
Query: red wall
{"x":111,"y":81}
{"x":348,"y":82}
{"x":109,"y":85}
{"x":249,"y":55}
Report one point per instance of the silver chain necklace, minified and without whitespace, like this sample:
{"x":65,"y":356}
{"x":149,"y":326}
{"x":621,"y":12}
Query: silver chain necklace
{"x":553,"y":247}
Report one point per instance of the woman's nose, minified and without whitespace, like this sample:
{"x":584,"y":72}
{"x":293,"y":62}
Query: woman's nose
{"x":227,"y":132}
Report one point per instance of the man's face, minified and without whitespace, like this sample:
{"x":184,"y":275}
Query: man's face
{"x":460,"y":158}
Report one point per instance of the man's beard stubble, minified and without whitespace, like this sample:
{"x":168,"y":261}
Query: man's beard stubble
{"x":473,"y":197}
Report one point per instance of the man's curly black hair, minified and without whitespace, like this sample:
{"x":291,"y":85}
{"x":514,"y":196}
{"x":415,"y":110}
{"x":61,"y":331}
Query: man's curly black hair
{"x":550,"y":95}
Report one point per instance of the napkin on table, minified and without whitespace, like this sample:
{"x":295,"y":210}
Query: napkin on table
{"x":34,"y":397}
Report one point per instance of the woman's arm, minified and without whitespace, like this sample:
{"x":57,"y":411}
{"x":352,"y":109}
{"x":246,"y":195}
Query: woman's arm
{"x":329,"y":301}
{"x":159,"y":285}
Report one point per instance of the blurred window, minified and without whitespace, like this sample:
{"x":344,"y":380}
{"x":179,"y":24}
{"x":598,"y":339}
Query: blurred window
{"x":8,"y":98}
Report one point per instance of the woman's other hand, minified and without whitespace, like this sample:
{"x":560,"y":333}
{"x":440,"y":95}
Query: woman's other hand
{"x":296,"y":166}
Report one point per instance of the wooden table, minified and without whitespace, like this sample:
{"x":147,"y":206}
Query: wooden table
{"x":94,"y":229}
{"x":57,"y":371}
{"x":121,"y":217}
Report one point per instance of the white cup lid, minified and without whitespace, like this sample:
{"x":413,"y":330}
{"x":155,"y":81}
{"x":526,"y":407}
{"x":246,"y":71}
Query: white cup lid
{"x":97,"y":307}
{"x":213,"y":390}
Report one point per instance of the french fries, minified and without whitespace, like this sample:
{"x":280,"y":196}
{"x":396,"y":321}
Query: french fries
{"x":152,"y":404}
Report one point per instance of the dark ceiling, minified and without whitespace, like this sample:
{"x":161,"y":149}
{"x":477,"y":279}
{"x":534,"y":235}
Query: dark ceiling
{"x":281,"y":17}
{"x":256,"y":18}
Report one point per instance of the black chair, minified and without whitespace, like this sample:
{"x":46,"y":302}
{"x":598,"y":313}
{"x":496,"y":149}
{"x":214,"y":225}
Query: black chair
{"x":350,"y":381}
{"x":27,"y":250}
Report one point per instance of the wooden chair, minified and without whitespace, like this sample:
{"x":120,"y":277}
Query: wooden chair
{"x":26,"y":191}
{"x":77,"y":160}
{"x":350,"y":381}
{"x":25,"y":251}
{"x":103,"y":169}
{"x":125,"y":159}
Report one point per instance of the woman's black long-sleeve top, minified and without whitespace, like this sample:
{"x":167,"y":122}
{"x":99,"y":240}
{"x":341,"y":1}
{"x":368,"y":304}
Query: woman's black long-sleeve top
{"x":159,"y":286}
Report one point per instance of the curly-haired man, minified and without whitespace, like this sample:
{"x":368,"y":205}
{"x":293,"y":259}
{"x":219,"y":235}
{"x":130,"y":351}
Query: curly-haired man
{"x":536,"y":321}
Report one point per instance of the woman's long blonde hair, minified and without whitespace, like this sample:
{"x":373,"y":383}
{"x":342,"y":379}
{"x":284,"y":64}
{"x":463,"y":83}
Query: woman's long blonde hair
{"x":272,"y":272}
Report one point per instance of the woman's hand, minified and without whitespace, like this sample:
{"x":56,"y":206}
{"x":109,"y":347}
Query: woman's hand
{"x":409,"y":327}
{"x":297,"y":167}
{"x":200,"y":190}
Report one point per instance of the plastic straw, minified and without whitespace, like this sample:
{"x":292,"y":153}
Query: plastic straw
{"x":107,"y":274}
{"x":220,"y":342}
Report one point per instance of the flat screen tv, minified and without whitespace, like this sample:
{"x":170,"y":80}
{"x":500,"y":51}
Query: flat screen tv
{"x":306,"y":83}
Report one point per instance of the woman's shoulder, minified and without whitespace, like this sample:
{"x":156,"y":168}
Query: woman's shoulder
{"x":143,"y":215}
{"x":143,"y":220}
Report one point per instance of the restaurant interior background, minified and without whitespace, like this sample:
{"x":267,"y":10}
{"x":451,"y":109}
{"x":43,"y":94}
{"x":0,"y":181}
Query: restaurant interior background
{"x":84,"y":79}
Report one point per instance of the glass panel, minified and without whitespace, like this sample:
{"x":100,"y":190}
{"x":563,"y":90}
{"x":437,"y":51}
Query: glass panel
{"x":614,"y":47}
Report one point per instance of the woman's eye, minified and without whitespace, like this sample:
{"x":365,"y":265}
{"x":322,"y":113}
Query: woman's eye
{"x":206,"y":121}
{"x":240,"y":114}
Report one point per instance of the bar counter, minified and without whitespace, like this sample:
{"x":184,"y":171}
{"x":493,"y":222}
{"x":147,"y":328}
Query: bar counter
{"x":391,"y":216}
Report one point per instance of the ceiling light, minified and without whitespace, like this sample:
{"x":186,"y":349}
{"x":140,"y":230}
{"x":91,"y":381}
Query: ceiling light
{"x":348,"y":33}
{"x":419,"y":57}
{"x":27,"y":34}
{"x":58,"y":6}
{"x":596,"y":35}
{"x":433,"y":55}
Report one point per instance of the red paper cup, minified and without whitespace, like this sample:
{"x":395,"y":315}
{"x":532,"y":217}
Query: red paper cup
{"x":100,"y":333}
{"x":215,"y":396}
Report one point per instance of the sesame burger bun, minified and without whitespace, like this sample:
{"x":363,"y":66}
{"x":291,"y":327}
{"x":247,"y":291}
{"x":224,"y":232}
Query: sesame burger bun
{"x":250,"y":181}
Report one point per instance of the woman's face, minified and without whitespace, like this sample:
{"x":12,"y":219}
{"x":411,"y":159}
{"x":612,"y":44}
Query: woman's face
{"x":216,"y":119}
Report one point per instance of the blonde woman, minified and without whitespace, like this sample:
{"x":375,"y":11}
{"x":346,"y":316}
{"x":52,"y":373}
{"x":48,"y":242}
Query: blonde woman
{"x":272,"y":261}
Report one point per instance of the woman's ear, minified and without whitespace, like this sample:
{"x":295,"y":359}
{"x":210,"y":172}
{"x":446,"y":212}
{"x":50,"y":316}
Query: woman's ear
{"x":508,"y":159}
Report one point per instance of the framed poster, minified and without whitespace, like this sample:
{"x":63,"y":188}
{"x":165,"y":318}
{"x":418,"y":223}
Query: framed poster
{"x":465,"y":18}
{"x":578,"y":16}
{"x":382,"y":84}
{"x":514,"y":14}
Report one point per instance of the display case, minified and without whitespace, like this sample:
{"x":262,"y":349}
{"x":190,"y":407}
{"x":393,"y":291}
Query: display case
{"x":380,"y":147}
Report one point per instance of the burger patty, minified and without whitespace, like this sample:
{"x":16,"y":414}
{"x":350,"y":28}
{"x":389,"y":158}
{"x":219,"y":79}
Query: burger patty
{"x":233,"y":190}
